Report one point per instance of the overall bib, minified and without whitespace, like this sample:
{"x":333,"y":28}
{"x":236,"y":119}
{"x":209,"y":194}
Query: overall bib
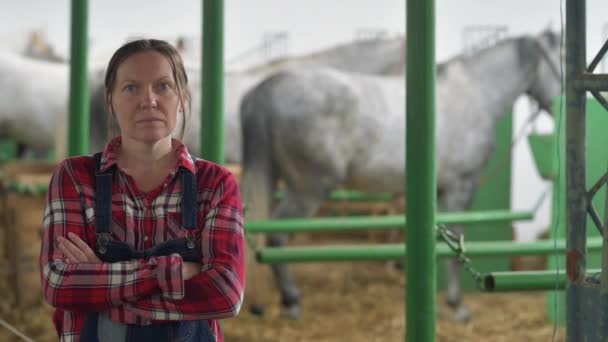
{"x":98,"y":327}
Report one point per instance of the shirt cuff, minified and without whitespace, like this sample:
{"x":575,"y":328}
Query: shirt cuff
{"x":169,"y":273}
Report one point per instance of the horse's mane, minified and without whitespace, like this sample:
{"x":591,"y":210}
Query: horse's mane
{"x":442,"y":67}
{"x":337,"y":50}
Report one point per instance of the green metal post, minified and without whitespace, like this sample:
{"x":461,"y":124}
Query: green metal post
{"x":420,"y":172}
{"x":78,"y":132}
{"x":603,"y":321}
{"x":212,"y":121}
{"x":576,"y":215}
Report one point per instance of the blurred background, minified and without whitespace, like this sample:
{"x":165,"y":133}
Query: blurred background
{"x":263,"y":31}
{"x":259,"y":31}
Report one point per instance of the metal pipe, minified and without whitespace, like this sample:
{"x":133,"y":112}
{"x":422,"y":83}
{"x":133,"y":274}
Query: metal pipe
{"x":591,"y":82}
{"x":212,"y":121}
{"x":78,"y":129}
{"x":349,"y":195}
{"x":354,"y":223}
{"x":526,"y":280}
{"x":603,"y":321}
{"x":576,"y":189}
{"x":382,"y":252}
{"x":420,"y":170}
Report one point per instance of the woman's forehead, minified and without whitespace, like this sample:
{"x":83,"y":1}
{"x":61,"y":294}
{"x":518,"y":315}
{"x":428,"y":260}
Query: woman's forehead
{"x":145,"y":65}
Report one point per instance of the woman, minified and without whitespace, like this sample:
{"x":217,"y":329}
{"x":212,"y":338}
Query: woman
{"x":143,"y":241}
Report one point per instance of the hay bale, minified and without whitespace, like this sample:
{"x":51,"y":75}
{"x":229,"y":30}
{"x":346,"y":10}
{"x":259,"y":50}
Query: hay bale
{"x":22,"y":200}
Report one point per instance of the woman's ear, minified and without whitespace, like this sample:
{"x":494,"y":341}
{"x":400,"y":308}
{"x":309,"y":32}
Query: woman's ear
{"x":108,"y":98}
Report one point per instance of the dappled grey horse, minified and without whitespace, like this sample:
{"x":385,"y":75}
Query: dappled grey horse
{"x":374,"y":56}
{"x":317,"y":128}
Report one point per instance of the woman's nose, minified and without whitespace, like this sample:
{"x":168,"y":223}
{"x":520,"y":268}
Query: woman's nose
{"x":149,"y":98}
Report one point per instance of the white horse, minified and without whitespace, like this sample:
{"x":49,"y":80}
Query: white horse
{"x":317,"y":128}
{"x":375,"y":56}
{"x":34,"y":101}
{"x":34,"y":106}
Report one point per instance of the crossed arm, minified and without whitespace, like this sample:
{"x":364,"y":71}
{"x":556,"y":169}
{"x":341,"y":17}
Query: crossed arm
{"x":78,"y":252}
{"x":165,"y":287}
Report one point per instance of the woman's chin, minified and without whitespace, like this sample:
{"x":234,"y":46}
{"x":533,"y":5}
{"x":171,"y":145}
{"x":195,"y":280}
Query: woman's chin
{"x":152,"y":137}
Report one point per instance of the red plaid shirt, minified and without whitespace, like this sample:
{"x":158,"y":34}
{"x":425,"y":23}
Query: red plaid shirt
{"x":143,"y":291}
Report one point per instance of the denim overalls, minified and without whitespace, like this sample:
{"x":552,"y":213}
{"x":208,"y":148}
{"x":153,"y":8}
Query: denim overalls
{"x":97,"y":326}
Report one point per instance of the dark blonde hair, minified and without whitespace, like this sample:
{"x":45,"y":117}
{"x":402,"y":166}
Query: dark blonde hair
{"x":177,"y":66}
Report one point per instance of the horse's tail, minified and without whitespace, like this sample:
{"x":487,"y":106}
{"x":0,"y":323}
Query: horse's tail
{"x":258,"y":182}
{"x":258,"y":166}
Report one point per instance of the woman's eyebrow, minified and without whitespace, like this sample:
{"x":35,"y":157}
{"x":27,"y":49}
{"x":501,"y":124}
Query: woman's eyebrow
{"x":166,"y":77}
{"x":161,"y":78}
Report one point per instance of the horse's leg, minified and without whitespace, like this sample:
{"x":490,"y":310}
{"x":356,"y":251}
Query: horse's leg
{"x":293,"y":205}
{"x":457,"y":197}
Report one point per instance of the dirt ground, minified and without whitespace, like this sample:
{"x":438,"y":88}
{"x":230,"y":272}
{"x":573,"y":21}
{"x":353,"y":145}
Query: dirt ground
{"x":361,"y":301}
{"x":365,"y":301}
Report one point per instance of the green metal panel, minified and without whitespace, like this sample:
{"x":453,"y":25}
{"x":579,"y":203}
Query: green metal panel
{"x":494,"y":193}
{"x":597,"y":157}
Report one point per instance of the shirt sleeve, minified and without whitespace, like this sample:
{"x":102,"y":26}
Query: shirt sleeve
{"x":87,"y":286}
{"x":216,"y":292}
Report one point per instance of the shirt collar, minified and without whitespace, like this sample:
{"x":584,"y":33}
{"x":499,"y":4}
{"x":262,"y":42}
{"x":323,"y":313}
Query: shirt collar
{"x":110,"y":155}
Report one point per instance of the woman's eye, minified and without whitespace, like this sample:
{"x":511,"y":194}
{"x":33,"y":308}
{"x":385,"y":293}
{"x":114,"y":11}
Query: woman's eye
{"x":164,"y":86}
{"x":130,"y":88}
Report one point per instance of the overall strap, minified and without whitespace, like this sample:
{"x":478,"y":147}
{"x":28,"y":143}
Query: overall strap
{"x":189,"y":194}
{"x":103,"y":197}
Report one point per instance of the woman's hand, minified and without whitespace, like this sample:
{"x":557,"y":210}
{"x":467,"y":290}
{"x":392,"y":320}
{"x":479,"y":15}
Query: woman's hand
{"x":190,"y":269}
{"x":76,"y":250}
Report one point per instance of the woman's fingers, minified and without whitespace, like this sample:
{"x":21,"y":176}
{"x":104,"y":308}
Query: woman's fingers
{"x":68,"y":249}
{"x":76,"y":250}
{"x":84,"y":248}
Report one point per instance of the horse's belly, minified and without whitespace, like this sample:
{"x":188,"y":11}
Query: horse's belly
{"x":378,"y":176}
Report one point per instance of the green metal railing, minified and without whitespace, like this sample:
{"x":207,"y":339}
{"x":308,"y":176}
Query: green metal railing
{"x":528,"y":280}
{"x":350,"y":195}
{"x":354,"y":223}
{"x":384,"y":252}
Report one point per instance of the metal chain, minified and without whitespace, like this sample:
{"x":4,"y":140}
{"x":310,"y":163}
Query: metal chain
{"x":456,"y":244}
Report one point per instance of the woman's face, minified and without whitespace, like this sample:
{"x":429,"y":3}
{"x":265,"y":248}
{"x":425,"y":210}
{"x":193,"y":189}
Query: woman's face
{"x":145,"y":97}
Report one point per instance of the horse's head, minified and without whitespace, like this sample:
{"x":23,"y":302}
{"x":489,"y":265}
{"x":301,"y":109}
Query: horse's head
{"x":547,"y":74}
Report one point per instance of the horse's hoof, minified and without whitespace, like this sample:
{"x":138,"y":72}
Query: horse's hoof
{"x":290,"y":312}
{"x":397,"y":265}
{"x":257,"y":310}
{"x":462,"y":314}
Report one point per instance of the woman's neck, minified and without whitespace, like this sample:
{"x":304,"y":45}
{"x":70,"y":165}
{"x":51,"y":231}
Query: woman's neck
{"x":135,"y":155}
